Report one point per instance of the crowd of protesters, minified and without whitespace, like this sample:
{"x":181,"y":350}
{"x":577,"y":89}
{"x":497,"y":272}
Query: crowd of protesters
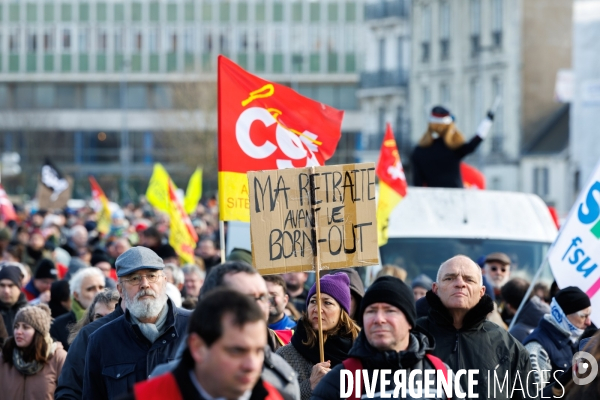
{"x":107,"y":316}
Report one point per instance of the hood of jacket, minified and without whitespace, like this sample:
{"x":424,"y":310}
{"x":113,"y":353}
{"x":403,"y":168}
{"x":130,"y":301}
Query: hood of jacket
{"x":420,"y":342}
{"x":473,"y":319}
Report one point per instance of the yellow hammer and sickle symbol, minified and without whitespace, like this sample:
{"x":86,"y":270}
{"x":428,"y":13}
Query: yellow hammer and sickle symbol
{"x":266,"y":91}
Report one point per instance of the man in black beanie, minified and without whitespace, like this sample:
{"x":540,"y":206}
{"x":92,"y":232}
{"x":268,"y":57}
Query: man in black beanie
{"x":386,"y":342}
{"x":553,"y":342}
{"x":11,"y":297}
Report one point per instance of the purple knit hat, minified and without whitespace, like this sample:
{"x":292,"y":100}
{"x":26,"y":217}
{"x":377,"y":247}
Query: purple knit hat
{"x":337,"y":286}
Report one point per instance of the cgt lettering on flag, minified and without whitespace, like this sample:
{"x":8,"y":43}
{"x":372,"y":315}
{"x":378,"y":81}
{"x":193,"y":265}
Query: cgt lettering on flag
{"x":265,"y":126}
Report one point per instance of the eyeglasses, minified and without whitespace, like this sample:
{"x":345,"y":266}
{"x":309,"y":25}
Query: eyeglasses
{"x":136,"y":280}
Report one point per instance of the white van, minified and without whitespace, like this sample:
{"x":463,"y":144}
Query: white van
{"x":431,"y":225}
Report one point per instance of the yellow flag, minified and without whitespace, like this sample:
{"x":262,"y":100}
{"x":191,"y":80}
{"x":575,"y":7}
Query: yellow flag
{"x":182,"y":235}
{"x":158,"y":188}
{"x":104,"y":216}
{"x":388,"y":200}
{"x":193,"y":193}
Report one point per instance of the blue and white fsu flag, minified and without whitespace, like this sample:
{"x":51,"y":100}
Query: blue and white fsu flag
{"x":575,"y":254}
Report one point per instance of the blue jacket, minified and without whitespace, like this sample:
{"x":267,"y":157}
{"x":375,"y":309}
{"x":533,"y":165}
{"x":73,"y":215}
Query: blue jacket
{"x":118,"y":355}
{"x":70,"y":381}
{"x":284,"y":323}
{"x":557,"y":345}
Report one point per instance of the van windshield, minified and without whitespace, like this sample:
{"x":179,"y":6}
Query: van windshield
{"x":424,"y":255}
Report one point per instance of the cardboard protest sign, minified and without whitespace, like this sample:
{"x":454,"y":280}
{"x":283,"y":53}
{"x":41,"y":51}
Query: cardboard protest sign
{"x":49,"y":199}
{"x":304,"y":219}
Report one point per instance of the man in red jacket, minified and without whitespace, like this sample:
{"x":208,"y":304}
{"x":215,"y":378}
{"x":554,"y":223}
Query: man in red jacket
{"x":224,"y":359}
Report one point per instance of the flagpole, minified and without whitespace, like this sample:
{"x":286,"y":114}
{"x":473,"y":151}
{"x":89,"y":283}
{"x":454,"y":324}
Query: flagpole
{"x":528,"y":293}
{"x":222,"y":239}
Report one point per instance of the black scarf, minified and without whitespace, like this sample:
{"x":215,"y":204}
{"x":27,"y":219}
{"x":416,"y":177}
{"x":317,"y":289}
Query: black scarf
{"x":336,"y":347}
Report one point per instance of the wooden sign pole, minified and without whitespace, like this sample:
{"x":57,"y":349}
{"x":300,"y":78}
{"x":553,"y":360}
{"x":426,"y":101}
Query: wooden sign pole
{"x":321,"y":349}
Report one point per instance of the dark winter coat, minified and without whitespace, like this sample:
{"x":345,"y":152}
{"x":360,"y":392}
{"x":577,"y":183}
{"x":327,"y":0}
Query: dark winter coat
{"x":9,"y":312}
{"x":372,"y":359}
{"x":479,"y":344}
{"x":119,"y":355}
{"x":531,"y":314}
{"x":70,"y":382}
{"x":59,"y":329}
{"x":438,"y":165}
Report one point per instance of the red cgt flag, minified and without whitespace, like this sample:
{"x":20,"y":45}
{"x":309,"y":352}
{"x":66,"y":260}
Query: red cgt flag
{"x":392,"y":183}
{"x":264,"y":125}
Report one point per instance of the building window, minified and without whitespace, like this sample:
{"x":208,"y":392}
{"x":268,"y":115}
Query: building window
{"x":426,"y":105}
{"x":137,"y":42}
{"x":243,"y":42}
{"x":31,"y":42}
{"x":118,"y":41}
{"x":498,"y":126}
{"x":497,"y":23}
{"x":207,"y":42}
{"x":13,"y":41}
{"x":475,"y":28}
{"x":66,"y":41}
{"x":172,"y":41}
{"x":476,"y":106}
{"x":445,"y":94}
{"x":48,"y":41}
{"x":381,"y":54}
{"x":445,"y":30}
{"x":381,"y":121}
{"x":83,"y":40}
{"x":540,"y":181}
{"x":399,"y":125}
{"x":153,"y":40}
{"x":400,"y":55}
{"x":425,"y":33}
{"x":101,"y":47}
{"x":188,"y":40}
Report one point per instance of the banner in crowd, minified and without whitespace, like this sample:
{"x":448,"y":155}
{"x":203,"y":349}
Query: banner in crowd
{"x":317,"y":217}
{"x":264,"y":126}
{"x":392,"y":183}
{"x":182,"y":235}
{"x":104,"y":216}
{"x":7,"y":210}
{"x":54,"y":189}
{"x":575,"y":254}
{"x":193,"y":193}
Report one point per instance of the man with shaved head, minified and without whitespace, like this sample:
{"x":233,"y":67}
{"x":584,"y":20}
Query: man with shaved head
{"x":465,"y":339}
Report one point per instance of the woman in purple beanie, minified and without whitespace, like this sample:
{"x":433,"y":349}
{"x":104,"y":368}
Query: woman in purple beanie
{"x":339,"y":333}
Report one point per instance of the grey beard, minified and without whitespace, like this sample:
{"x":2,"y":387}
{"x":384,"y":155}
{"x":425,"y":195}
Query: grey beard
{"x":147,"y":308}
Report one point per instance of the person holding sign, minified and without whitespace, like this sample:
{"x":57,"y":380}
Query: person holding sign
{"x":339,"y":333}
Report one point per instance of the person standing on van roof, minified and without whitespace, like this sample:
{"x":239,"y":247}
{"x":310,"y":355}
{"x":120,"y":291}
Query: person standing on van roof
{"x":436,"y":159}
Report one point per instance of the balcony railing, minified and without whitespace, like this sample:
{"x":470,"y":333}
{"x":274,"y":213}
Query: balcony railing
{"x":380,"y":79}
{"x":387,"y":9}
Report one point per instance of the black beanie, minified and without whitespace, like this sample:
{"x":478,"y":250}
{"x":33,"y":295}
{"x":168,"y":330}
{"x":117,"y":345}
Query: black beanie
{"x":390,"y":290}
{"x":12,"y":273}
{"x":99,"y":256}
{"x":572,"y":299}
{"x":45,"y":269}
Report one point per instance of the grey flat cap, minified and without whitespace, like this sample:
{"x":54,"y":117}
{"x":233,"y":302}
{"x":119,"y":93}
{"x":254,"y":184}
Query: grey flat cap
{"x":138,"y":258}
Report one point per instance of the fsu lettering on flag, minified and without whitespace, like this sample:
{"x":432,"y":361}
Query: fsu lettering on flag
{"x":262,"y":126}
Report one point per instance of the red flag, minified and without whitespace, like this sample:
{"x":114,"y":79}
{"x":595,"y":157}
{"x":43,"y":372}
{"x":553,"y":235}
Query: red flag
{"x":264,"y":125}
{"x":392,"y":183}
{"x":472,"y":177}
{"x":7,"y":210}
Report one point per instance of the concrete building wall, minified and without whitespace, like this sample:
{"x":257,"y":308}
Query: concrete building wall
{"x":546,"y":47}
{"x":548,"y":177}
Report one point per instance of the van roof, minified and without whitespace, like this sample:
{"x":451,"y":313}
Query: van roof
{"x":477,"y":214}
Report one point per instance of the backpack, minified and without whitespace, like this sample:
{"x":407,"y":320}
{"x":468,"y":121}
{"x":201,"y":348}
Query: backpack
{"x":354,"y":364}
